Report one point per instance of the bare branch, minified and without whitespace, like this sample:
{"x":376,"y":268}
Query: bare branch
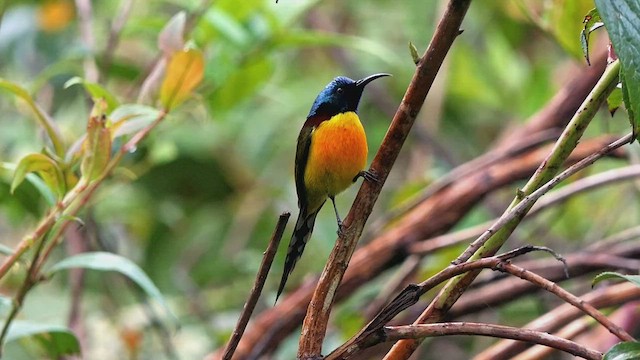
{"x":261,"y":277}
{"x":394,"y":333}
{"x":315,"y":323}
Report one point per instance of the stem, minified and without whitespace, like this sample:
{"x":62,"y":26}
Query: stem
{"x":315,"y":322}
{"x":563,"y":147}
{"x":261,"y":277}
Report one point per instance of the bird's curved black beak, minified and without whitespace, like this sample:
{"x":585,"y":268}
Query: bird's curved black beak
{"x":363,"y":82}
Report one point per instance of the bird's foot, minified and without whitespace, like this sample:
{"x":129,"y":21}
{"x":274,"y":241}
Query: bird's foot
{"x":341,"y":229}
{"x":369,"y":175}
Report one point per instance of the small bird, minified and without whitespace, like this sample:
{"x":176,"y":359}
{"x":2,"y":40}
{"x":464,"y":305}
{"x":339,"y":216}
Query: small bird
{"x":330,"y":156}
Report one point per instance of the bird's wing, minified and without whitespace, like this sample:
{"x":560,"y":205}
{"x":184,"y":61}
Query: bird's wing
{"x":302,"y":155}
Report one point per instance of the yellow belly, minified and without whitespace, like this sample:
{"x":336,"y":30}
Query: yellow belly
{"x":338,"y":152}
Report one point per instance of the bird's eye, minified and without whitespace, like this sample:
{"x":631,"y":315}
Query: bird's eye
{"x":340,"y":90}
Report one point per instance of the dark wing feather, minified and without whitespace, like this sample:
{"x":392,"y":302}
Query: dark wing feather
{"x":302,"y":155}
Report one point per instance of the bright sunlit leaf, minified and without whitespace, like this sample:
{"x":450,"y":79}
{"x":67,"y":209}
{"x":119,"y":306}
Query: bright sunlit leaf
{"x":184,"y":73}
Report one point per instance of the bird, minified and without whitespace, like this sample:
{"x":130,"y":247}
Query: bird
{"x":331,"y":154}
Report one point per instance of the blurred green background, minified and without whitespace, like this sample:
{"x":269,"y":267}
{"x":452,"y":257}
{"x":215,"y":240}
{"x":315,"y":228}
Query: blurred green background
{"x":194,"y":206}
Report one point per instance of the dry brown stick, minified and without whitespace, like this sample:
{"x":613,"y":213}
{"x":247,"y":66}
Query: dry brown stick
{"x":442,"y":211}
{"x":563,"y":314}
{"x":261,"y":277}
{"x":496,"y":293}
{"x":315,"y":323}
{"x":412,"y":293}
{"x":567,"y":297}
{"x":274,"y":324}
{"x":394,"y":333}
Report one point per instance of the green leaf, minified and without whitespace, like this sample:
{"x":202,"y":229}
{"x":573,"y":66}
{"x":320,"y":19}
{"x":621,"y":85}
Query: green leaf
{"x":635,"y":279}
{"x":622,"y":20}
{"x":37,"y":182}
{"x":104,"y":261}
{"x":592,"y":22}
{"x":623,"y":351}
{"x":43,"y":118}
{"x":96,"y":91}
{"x":46,"y":167}
{"x":614,"y":101}
{"x":57,"y":340}
{"x":97,"y":146}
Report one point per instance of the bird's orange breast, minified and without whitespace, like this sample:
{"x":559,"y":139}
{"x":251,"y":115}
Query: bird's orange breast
{"x":338,"y":152}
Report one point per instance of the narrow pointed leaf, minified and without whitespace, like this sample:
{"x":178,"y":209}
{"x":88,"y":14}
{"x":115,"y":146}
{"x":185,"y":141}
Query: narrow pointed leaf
{"x":622,"y":20}
{"x":635,"y":279}
{"x":184,"y":72}
{"x":104,"y":261}
{"x":43,"y":118}
{"x":44,"y":166}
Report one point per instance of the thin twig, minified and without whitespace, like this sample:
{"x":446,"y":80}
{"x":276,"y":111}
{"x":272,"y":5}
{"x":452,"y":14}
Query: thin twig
{"x":585,"y":184}
{"x":315,"y":323}
{"x":86,"y":24}
{"x":394,"y":333}
{"x":117,"y":25}
{"x":567,"y":297}
{"x":519,"y":211}
{"x":412,"y":293}
{"x":261,"y":277}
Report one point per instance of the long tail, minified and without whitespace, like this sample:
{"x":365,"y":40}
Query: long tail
{"x":301,"y":234}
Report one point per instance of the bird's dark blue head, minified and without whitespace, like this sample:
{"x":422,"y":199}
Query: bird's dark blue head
{"x":341,"y":95}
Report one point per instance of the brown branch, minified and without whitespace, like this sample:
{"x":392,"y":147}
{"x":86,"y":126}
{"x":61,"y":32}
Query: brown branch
{"x":567,"y":297}
{"x":563,"y":194}
{"x":563,"y":314}
{"x":432,"y":217}
{"x":261,"y":277}
{"x":274,"y":324}
{"x":412,"y":293}
{"x":315,"y":323}
{"x":394,"y":333}
{"x":520,"y":210}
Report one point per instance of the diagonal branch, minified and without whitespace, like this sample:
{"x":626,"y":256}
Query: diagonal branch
{"x":261,"y":277}
{"x":315,"y":323}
